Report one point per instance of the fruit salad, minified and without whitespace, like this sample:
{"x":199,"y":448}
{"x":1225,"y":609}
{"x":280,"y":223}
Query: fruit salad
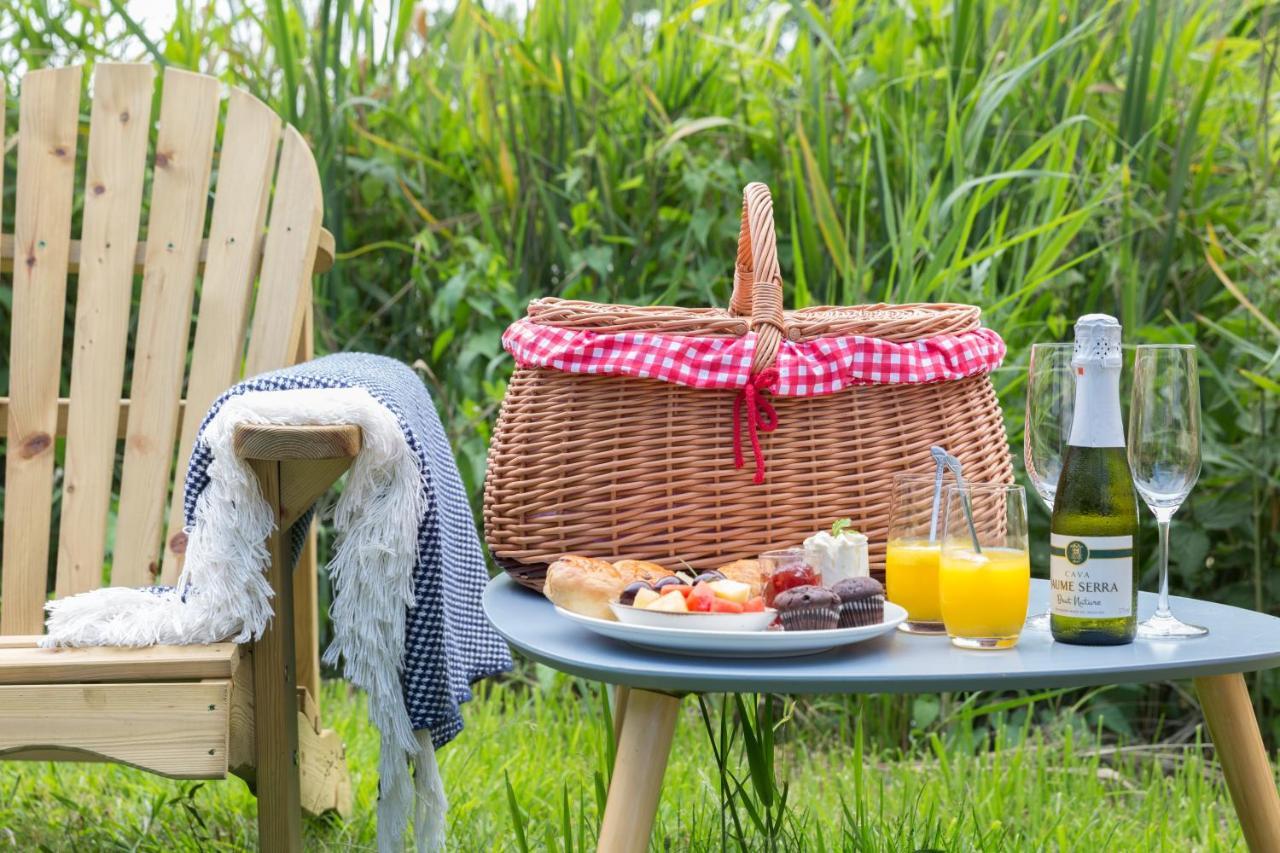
{"x":709,"y":592}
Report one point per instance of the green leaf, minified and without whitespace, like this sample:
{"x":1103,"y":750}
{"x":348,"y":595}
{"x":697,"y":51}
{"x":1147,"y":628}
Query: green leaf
{"x":925,"y":710}
{"x":1263,"y":382}
{"x":441,"y":343}
{"x":517,"y":817}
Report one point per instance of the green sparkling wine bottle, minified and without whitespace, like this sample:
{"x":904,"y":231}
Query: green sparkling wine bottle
{"x":1093,"y":575}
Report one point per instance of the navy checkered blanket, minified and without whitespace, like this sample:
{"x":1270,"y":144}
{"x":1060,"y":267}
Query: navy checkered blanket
{"x":449,"y":644}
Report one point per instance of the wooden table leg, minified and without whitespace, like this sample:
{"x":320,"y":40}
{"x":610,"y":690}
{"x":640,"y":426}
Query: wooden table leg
{"x":620,"y":693}
{"x":1229,"y":713}
{"x":650,"y":722}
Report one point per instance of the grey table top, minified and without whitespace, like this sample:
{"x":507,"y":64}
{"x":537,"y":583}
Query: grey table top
{"x":1239,"y":641}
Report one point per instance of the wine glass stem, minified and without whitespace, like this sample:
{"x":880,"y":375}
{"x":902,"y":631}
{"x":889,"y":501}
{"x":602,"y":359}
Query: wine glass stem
{"x":1162,"y":604}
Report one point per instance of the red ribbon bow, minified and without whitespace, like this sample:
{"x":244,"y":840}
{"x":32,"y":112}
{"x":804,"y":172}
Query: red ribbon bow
{"x":761,"y":416}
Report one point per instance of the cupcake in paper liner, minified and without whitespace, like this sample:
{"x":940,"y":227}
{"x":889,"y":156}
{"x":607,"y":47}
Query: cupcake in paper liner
{"x":808,"y":608}
{"x":861,"y":602}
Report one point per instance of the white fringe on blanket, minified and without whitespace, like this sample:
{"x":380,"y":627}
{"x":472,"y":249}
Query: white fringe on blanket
{"x":227,"y":595}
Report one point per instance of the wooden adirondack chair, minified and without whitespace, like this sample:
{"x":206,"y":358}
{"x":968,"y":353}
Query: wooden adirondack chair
{"x":190,"y":712}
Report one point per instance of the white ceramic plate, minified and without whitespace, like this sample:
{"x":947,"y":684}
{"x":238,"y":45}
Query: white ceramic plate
{"x":694,"y":621}
{"x":738,"y":644}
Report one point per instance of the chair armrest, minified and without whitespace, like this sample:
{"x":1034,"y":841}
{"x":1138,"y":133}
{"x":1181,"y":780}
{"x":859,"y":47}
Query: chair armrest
{"x":275,"y":442}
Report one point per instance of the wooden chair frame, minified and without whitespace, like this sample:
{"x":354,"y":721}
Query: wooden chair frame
{"x":188,"y":712}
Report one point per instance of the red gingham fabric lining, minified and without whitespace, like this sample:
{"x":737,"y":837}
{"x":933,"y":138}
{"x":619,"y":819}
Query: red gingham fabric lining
{"x":805,"y":369}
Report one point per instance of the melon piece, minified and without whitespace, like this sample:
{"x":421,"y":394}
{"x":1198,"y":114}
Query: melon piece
{"x":644,"y":597}
{"x":731,"y":590}
{"x":669,"y":604}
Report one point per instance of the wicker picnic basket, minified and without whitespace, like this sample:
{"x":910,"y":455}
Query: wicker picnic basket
{"x":619,"y":466}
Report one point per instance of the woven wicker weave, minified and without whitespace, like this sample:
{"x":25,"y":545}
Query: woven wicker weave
{"x":618,"y":467}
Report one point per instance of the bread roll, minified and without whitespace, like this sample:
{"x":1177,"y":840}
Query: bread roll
{"x":641,"y":570}
{"x":583,"y":585}
{"x":745,"y":571}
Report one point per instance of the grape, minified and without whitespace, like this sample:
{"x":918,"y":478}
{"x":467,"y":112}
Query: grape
{"x":629,"y":592}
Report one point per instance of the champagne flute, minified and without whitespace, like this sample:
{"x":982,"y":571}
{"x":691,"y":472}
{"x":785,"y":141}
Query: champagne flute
{"x":1164,"y":456}
{"x":1051,"y":396}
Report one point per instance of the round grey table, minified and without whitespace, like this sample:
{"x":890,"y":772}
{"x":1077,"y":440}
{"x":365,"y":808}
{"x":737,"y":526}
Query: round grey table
{"x":651,"y":682}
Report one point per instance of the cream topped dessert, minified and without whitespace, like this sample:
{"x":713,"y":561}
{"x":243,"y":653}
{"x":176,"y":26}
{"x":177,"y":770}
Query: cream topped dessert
{"x":838,"y":553}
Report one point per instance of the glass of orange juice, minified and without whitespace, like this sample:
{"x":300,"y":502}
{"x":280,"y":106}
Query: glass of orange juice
{"x":984,"y":571}
{"x":912,"y":553}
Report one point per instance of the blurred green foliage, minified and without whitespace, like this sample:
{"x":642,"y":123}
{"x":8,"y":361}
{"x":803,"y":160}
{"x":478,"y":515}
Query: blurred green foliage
{"x":1040,"y":158}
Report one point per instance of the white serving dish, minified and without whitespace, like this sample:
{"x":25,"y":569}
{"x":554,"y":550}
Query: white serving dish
{"x":698,"y":621}
{"x":737,"y":644}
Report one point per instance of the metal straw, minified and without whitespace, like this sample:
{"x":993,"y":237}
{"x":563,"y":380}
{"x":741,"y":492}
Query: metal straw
{"x":940,"y":457}
{"x":953,"y":463}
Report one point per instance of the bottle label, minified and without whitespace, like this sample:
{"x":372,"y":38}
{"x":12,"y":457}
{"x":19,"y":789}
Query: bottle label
{"x":1091,"y":577}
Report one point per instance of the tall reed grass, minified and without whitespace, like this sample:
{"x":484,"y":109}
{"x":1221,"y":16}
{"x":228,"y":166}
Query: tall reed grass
{"x":1040,"y":158}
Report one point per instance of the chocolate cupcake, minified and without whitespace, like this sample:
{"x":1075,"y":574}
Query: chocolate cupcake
{"x":808,"y":608}
{"x":861,"y":602}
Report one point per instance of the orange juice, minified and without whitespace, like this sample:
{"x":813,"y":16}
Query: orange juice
{"x":984,"y":595}
{"x":911,"y":578}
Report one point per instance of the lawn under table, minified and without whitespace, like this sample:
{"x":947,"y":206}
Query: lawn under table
{"x":1239,"y":641}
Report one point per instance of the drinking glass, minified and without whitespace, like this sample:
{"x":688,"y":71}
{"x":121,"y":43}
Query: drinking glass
{"x":911,"y":555}
{"x":984,"y":575}
{"x":1051,"y":399}
{"x":1164,"y":456}
{"x":786,"y":568}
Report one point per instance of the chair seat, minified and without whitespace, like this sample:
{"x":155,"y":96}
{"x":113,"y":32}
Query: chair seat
{"x":181,"y":711}
{"x":22,"y":661}
{"x":167,"y":709}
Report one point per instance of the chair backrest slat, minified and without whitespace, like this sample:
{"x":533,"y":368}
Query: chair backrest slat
{"x":180,"y":187}
{"x":292,"y":236}
{"x":49,"y":112}
{"x":264,"y":241}
{"x":250,"y":144}
{"x":119,"y":127}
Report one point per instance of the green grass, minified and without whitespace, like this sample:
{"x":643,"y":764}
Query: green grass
{"x":1039,"y":158}
{"x":969,"y":781}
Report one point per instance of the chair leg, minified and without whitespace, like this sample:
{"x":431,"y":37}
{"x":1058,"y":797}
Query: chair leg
{"x":306,"y":622}
{"x":324,"y":778}
{"x":1229,"y":713}
{"x":305,"y":579}
{"x":276,"y":696}
{"x":649,"y":724}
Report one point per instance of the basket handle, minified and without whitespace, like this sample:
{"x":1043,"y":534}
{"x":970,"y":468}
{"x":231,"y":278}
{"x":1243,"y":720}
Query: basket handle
{"x":757,"y":282}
